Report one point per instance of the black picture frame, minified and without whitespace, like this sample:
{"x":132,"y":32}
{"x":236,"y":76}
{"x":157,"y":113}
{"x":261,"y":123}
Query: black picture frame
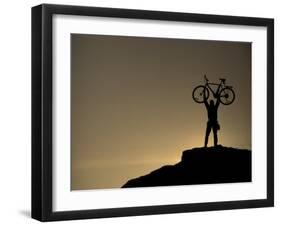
{"x":42,"y":106}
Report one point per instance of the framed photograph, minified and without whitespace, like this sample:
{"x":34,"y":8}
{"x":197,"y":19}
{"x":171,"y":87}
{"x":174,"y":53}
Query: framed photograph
{"x":145,"y":112}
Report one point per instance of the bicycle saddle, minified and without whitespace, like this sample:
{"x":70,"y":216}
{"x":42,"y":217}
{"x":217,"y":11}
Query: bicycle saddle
{"x":222,"y":79}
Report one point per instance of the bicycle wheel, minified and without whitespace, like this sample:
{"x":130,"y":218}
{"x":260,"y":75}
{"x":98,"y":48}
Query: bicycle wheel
{"x":198,"y":94}
{"x":227,"y":96}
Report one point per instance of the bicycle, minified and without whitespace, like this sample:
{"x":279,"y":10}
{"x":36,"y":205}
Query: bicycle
{"x":224,"y":93}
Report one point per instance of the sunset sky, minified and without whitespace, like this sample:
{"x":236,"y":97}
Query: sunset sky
{"x":131,"y":105}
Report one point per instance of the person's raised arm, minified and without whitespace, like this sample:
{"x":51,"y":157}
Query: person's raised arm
{"x":205,"y":99}
{"x":218,"y":102}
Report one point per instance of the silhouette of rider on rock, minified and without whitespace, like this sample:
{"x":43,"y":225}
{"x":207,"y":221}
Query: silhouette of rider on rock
{"x":212,"y":124}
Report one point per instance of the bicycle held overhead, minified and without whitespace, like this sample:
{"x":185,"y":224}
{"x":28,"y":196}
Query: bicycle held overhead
{"x":223,"y":93}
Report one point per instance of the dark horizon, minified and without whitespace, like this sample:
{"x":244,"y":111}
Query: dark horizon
{"x":200,"y":166}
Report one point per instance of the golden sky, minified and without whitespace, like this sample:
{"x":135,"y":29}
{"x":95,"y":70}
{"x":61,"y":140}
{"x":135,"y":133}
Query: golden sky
{"x":132,"y":109}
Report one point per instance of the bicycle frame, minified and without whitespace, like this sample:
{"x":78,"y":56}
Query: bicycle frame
{"x":222,"y":93}
{"x":219,"y":86}
{"x":215,"y":94}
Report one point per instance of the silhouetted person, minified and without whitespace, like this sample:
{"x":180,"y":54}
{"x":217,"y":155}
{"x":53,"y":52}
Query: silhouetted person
{"x":212,"y":123}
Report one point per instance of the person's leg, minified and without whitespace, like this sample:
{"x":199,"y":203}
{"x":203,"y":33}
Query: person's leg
{"x":215,"y":132}
{"x":208,"y":130}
